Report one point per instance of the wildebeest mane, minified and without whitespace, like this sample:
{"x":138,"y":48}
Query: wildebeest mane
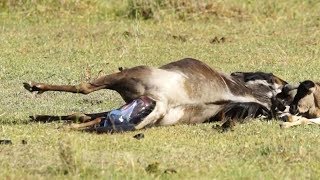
{"x":252,"y":76}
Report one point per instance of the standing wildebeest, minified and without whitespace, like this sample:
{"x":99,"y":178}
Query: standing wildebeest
{"x":186,"y":91}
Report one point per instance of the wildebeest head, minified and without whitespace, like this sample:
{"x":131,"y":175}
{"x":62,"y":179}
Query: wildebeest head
{"x":304,"y":100}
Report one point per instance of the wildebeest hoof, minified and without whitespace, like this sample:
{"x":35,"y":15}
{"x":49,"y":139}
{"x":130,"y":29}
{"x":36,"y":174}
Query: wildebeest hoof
{"x":33,"y":87}
{"x":33,"y":118}
{"x":41,"y":118}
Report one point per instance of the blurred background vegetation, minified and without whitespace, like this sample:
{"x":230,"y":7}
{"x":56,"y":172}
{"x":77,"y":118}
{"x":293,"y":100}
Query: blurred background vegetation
{"x":158,"y":10}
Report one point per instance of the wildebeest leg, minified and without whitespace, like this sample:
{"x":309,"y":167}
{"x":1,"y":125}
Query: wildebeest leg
{"x":86,"y":124}
{"x":298,"y":120}
{"x":83,"y":88}
{"x":73,"y":117}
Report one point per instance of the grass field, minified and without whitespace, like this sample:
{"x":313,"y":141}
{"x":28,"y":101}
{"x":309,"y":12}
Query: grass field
{"x":66,"y":42}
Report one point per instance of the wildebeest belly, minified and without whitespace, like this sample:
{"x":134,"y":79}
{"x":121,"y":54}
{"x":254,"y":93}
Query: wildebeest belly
{"x":189,"y":114}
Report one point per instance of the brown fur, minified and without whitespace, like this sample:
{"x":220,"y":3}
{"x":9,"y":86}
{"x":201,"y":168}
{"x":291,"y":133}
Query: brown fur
{"x":185,"y":91}
{"x":305,"y":107}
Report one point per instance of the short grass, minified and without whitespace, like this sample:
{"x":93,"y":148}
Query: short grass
{"x":65,"y":43}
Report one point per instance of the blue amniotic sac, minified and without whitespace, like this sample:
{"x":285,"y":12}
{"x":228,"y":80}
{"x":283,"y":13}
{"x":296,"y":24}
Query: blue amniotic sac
{"x":129,"y":114}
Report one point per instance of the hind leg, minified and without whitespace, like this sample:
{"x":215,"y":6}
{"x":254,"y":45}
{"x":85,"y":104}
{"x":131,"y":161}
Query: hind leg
{"x":88,"y":124}
{"x":73,"y":117}
{"x":83,"y":88}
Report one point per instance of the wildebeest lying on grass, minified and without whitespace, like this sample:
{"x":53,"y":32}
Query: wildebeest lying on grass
{"x":305,"y":107}
{"x":185,"y":91}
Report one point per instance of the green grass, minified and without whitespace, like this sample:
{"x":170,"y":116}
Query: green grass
{"x":56,"y":45}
